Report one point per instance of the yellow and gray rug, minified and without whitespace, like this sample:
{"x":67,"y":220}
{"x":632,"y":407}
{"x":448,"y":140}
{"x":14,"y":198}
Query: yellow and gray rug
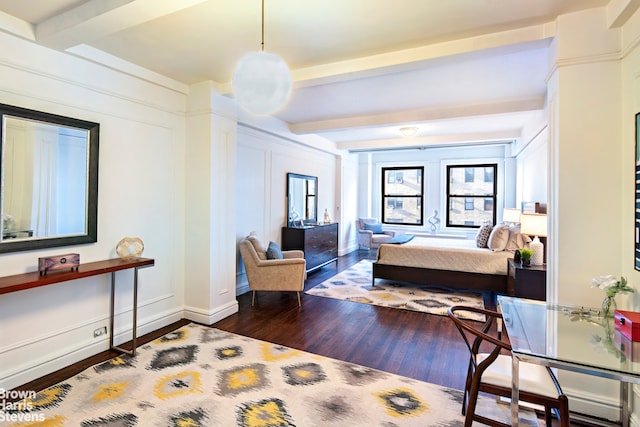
{"x":354,"y":284}
{"x":200,"y":376}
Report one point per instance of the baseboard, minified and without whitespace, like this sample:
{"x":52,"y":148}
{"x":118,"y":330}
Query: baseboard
{"x":53,"y":361}
{"x":348,"y":249}
{"x":240,"y":290}
{"x":209,"y":317}
{"x":242,"y":285}
{"x":594,"y":406}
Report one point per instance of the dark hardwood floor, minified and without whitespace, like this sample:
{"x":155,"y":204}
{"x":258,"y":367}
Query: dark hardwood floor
{"x":403,"y":342}
{"x":407,"y":343}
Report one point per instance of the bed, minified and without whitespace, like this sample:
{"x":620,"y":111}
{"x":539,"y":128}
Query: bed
{"x":455,"y":263}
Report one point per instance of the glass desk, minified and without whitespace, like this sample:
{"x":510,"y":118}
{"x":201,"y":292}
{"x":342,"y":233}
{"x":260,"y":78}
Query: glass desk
{"x":572,"y":338}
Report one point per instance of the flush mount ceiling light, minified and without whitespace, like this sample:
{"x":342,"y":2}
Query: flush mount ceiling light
{"x":261,"y":80}
{"x":409,"y":131}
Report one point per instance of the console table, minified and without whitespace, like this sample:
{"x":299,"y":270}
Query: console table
{"x":19,"y":282}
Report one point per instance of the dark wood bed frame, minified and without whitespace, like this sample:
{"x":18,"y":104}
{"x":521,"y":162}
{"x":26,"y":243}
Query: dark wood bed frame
{"x":452,"y":279}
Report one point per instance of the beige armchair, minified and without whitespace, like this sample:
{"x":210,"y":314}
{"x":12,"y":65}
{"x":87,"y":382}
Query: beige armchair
{"x":370,"y":233}
{"x":286,"y":274}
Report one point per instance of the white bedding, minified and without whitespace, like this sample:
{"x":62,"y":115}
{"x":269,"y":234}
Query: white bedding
{"x":444,"y":254}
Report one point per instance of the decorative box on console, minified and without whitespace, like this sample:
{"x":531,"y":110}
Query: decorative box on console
{"x":628,"y":323}
{"x":58,"y":262}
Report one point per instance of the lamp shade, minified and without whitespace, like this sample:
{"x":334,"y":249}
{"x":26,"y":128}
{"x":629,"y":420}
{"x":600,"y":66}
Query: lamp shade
{"x":511,"y":215}
{"x":261,"y":82}
{"x":533,"y":224}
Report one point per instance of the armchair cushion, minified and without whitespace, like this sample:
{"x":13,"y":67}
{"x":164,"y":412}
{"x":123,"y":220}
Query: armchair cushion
{"x":274,"y":251}
{"x":374,"y":228}
{"x":257,"y":245}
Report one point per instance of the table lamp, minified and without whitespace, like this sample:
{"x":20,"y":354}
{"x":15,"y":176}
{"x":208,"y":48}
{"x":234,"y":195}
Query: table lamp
{"x":511,"y":215}
{"x":535,"y":225}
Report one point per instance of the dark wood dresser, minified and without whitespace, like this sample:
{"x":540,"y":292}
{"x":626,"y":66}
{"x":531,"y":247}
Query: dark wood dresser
{"x":319,"y":243}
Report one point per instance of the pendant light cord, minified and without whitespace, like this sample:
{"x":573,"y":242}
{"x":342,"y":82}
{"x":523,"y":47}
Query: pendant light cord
{"x":262,"y":44}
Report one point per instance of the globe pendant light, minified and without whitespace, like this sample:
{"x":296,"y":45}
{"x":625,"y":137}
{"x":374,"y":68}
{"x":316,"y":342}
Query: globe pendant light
{"x":261,"y":80}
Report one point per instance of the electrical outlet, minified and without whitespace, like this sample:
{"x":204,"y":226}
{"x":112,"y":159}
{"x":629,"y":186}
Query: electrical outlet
{"x":99,"y":332}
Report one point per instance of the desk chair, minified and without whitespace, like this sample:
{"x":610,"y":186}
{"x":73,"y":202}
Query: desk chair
{"x":490,"y":371}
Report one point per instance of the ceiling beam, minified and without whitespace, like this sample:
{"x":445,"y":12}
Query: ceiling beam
{"x":17,"y":27}
{"x":500,"y":43}
{"x":463,"y":139}
{"x":619,"y":12}
{"x":98,"y":18}
{"x":420,"y":115}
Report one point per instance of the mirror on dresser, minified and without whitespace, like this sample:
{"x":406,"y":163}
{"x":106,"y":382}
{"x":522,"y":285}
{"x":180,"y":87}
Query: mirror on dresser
{"x":48,"y":180}
{"x":302,"y":200}
{"x":319,"y":242}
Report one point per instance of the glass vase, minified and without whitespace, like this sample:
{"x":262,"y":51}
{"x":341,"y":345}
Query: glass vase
{"x":609,"y":306}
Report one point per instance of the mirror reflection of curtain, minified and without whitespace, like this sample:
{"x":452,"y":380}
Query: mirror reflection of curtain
{"x":18,"y":175}
{"x":297,"y":199}
{"x":43,"y":213}
{"x":59,"y":186}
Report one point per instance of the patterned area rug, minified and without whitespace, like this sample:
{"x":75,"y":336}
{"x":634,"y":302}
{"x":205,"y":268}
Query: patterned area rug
{"x":200,"y":376}
{"x":354,"y":284}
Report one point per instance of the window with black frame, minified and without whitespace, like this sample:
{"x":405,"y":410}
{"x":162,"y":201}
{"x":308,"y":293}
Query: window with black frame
{"x":471,"y":195}
{"x":402,"y":195}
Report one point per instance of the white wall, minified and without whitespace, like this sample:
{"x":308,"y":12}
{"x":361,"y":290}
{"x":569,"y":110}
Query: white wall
{"x":141,"y":193}
{"x":263,"y":160}
{"x":532,"y":170}
{"x":347,"y":210}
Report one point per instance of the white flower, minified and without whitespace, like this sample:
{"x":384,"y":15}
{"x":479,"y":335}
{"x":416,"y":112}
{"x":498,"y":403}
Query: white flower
{"x":611,"y":284}
{"x":604,"y":282}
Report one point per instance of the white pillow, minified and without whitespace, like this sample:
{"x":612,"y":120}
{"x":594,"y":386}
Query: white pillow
{"x":516,"y":239}
{"x":498,"y":238}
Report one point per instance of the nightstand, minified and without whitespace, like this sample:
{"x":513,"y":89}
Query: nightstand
{"x":527,"y":282}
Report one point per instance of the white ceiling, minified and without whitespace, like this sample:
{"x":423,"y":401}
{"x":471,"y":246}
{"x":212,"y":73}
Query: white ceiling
{"x":459,"y":70}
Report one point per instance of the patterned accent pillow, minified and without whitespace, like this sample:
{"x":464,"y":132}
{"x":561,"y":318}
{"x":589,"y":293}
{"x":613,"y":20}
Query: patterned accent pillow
{"x":483,"y":235}
{"x":498,"y":238}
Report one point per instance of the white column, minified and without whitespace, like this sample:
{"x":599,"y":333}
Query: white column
{"x":210,"y":250}
{"x":585,"y":183}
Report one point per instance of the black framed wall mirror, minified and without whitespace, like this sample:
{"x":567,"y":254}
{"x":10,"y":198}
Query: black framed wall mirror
{"x":48,"y":180}
{"x":302,"y":200}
